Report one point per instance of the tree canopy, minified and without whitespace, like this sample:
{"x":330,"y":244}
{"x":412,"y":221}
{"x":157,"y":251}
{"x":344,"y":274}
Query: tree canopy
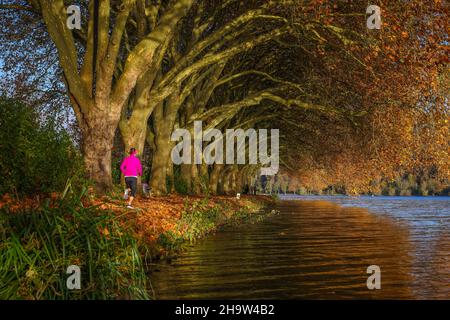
{"x":353,"y":105}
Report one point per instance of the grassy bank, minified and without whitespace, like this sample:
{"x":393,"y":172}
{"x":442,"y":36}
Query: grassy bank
{"x":202,"y":217}
{"x":39,"y":244}
{"x":110,"y":244}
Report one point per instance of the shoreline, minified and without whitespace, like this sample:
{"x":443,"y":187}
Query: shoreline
{"x":112,"y":246}
{"x":166,"y":225}
{"x":163,"y":237}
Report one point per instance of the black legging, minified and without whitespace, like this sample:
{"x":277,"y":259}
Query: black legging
{"x":131,"y":183}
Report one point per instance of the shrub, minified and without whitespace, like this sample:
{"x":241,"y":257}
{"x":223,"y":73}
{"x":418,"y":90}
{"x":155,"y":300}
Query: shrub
{"x":34,"y":158}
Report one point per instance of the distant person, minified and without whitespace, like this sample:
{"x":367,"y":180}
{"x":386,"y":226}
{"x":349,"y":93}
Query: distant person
{"x":131,"y":168}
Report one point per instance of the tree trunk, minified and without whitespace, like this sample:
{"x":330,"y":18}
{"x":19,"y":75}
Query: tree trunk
{"x":161,"y":156}
{"x":204,"y":176}
{"x":134,"y":130}
{"x":240,"y":181}
{"x":195,"y":179}
{"x":233,"y":181}
{"x":186,"y":175}
{"x":226,"y":182}
{"x":164,"y":116}
{"x":170,"y":175}
{"x":214,"y":178}
{"x":163,"y":146}
{"x":97,"y":144}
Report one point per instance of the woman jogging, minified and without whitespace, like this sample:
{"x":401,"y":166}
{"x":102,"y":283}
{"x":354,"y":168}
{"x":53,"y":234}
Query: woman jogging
{"x":131,"y":168}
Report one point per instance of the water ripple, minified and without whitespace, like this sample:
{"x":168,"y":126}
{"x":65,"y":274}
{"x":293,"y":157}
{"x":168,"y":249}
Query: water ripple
{"x":320,"y":248}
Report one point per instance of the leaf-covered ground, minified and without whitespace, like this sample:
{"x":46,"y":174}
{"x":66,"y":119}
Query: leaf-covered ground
{"x":152,"y":216}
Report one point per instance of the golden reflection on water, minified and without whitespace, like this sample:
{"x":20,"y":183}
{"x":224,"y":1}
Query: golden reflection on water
{"x":312,"y":250}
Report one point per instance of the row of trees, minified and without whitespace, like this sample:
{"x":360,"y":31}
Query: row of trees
{"x":353,"y":103}
{"x":404,"y":184}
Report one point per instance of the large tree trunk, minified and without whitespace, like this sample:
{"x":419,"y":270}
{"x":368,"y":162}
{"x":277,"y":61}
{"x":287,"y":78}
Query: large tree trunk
{"x":161,"y":156}
{"x":96,"y":146}
{"x":163,"y":146}
{"x":134,"y":130}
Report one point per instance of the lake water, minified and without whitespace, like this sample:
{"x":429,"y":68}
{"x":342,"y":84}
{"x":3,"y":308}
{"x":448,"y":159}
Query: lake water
{"x":320,"y":248}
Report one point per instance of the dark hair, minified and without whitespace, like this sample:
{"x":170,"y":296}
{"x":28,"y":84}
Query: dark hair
{"x":132,"y":150}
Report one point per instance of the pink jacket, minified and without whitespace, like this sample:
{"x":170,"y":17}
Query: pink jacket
{"x":131,"y":166}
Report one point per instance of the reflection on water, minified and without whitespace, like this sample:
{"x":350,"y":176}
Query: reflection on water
{"x":317,"y":249}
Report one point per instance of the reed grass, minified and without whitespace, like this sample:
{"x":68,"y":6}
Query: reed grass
{"x":37,"y":246}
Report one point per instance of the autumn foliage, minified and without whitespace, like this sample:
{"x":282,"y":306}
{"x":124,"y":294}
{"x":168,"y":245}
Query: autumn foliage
{"x":354,"y":105}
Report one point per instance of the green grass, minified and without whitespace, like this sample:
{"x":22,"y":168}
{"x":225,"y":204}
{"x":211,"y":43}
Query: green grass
{"x":38,"y":245}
